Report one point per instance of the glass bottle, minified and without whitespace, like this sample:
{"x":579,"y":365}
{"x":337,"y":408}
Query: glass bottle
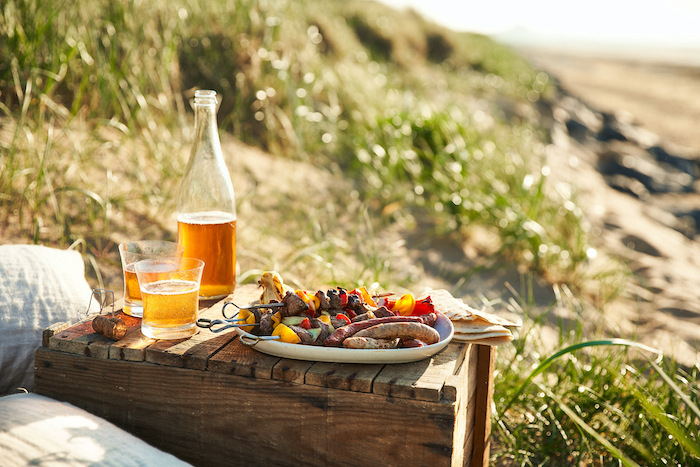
{"x":206,"y":204}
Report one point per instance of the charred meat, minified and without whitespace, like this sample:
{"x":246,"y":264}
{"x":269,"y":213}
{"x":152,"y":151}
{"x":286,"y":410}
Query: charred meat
{"x":325,"y":303}
{"x":295,"y":305}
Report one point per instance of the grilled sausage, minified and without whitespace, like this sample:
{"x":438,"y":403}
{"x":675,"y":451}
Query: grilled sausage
{"x":343,"y":333}
{"x":411,"y":343}
{"x":369,"y":343}
{"x":404,"y":330}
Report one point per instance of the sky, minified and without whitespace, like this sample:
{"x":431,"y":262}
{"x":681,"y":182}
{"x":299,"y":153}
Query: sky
{"x":662,"y":23}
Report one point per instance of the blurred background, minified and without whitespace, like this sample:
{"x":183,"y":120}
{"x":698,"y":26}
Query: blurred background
{"x":538,"y":158}
{"x":645,"y":28}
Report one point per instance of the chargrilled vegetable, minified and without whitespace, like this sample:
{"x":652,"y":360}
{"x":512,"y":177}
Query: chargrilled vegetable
{"x":273,"y":286}
{"x":333,"y":318}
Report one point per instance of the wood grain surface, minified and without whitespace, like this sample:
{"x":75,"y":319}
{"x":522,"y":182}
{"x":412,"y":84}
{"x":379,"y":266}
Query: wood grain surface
{"x":208,"y":399}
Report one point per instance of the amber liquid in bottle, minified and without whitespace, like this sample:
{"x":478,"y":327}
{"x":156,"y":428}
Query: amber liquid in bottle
{"x":211,"y":237}
{"x":206,"y":218}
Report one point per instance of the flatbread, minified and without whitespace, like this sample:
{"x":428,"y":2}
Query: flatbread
{"x":455,"y":309}
{"x":446,"y":304}
{"x":493,"y":319}
{"x":462,"y":327}
{"x":460,"y":312}
{"x":484,"y":340}
{"x":471,"y":325}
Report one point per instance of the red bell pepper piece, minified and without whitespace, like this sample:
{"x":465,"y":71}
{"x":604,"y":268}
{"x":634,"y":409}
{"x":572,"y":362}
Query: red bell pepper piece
{"x":342,"y":293}
{"x":423,"y":307}
{"x":349,"y":312}
{"x":306,"y":324}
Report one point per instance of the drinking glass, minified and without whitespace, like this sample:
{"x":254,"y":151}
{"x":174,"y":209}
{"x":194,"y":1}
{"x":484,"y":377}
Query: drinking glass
{"x":170,"y":291}
{"x":133,"y":252}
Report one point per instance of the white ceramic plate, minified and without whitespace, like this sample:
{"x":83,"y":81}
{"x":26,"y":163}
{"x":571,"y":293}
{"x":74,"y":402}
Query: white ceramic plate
{"x":342,"y":355}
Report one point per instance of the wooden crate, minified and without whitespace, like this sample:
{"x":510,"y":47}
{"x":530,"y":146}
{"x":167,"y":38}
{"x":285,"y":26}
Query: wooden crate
{"x":211,"y":400}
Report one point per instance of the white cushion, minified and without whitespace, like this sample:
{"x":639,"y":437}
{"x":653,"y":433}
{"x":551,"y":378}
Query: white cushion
{"x":36,"y":430}
{"x":39,"y":286}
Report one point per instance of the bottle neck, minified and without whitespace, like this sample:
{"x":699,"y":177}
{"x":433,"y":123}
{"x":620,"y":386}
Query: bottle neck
{"x":206,"y":130}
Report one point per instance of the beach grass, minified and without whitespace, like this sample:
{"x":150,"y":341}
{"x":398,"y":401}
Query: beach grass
{"x":428,"y":128}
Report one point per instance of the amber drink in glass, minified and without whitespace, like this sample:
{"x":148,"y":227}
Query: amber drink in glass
{"x":170,"y":298}
{"x":133,"y":252}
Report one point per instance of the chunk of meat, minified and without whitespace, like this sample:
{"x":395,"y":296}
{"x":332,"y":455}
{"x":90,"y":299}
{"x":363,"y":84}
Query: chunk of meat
{"x":325,"y":330}
{"x":334,"y":299}
{"x":304,"y":335}
{"x":295,"y":305}
{"x":355,"y":304}
{"x":325,"y":303}
{"x":266,"y":324}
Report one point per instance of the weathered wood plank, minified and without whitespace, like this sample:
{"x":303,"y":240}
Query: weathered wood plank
{"x":244,"y":294}
{"x":63,"y":340}
{"x":80,"y":339}
{"x":132,"y":347}
{"x":421,"y":380}
{"x":453,"y":382}
{"x":51,"y":331}
{"x":291,"y":371}
{"x":306,"y":425}
{"x":462,"y":385}
{"x":344,"y":376}
{"x":482,"y":406}
{"x":238,"y":359}
{"x":192,"y":352}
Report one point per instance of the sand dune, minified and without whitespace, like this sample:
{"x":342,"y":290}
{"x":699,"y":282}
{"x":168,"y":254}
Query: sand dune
{"x":632,"y":126}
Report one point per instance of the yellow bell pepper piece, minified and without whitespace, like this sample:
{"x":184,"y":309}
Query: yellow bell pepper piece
{"x":249,"y":318}
{"x":405,"y":305}
{"x":286,"y":334}
{"x":276,"y":319}
{"x":367,"y":297}
{"x":325,"y":318}
{"x":310,"y":299}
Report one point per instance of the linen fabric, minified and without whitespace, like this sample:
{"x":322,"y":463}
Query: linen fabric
{"x":39,"y":286}
{"x":37,"y":430}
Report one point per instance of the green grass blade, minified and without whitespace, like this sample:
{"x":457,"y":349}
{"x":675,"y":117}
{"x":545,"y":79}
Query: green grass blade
{"x":679,"y":433}
{"x":588,"y":429}
{"x":572,"y":348}
{"x":676,"y":389}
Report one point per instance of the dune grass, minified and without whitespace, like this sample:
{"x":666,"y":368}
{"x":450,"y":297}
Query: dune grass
{"x":427,"y":127}
{"x":594,"y":402}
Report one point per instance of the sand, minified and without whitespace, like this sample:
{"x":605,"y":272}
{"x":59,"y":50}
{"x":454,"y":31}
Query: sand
{"x":640,"y":187}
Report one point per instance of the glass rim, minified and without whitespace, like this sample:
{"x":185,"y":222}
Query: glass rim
{"x":194,"y":263}
{"x":124,"y":246}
